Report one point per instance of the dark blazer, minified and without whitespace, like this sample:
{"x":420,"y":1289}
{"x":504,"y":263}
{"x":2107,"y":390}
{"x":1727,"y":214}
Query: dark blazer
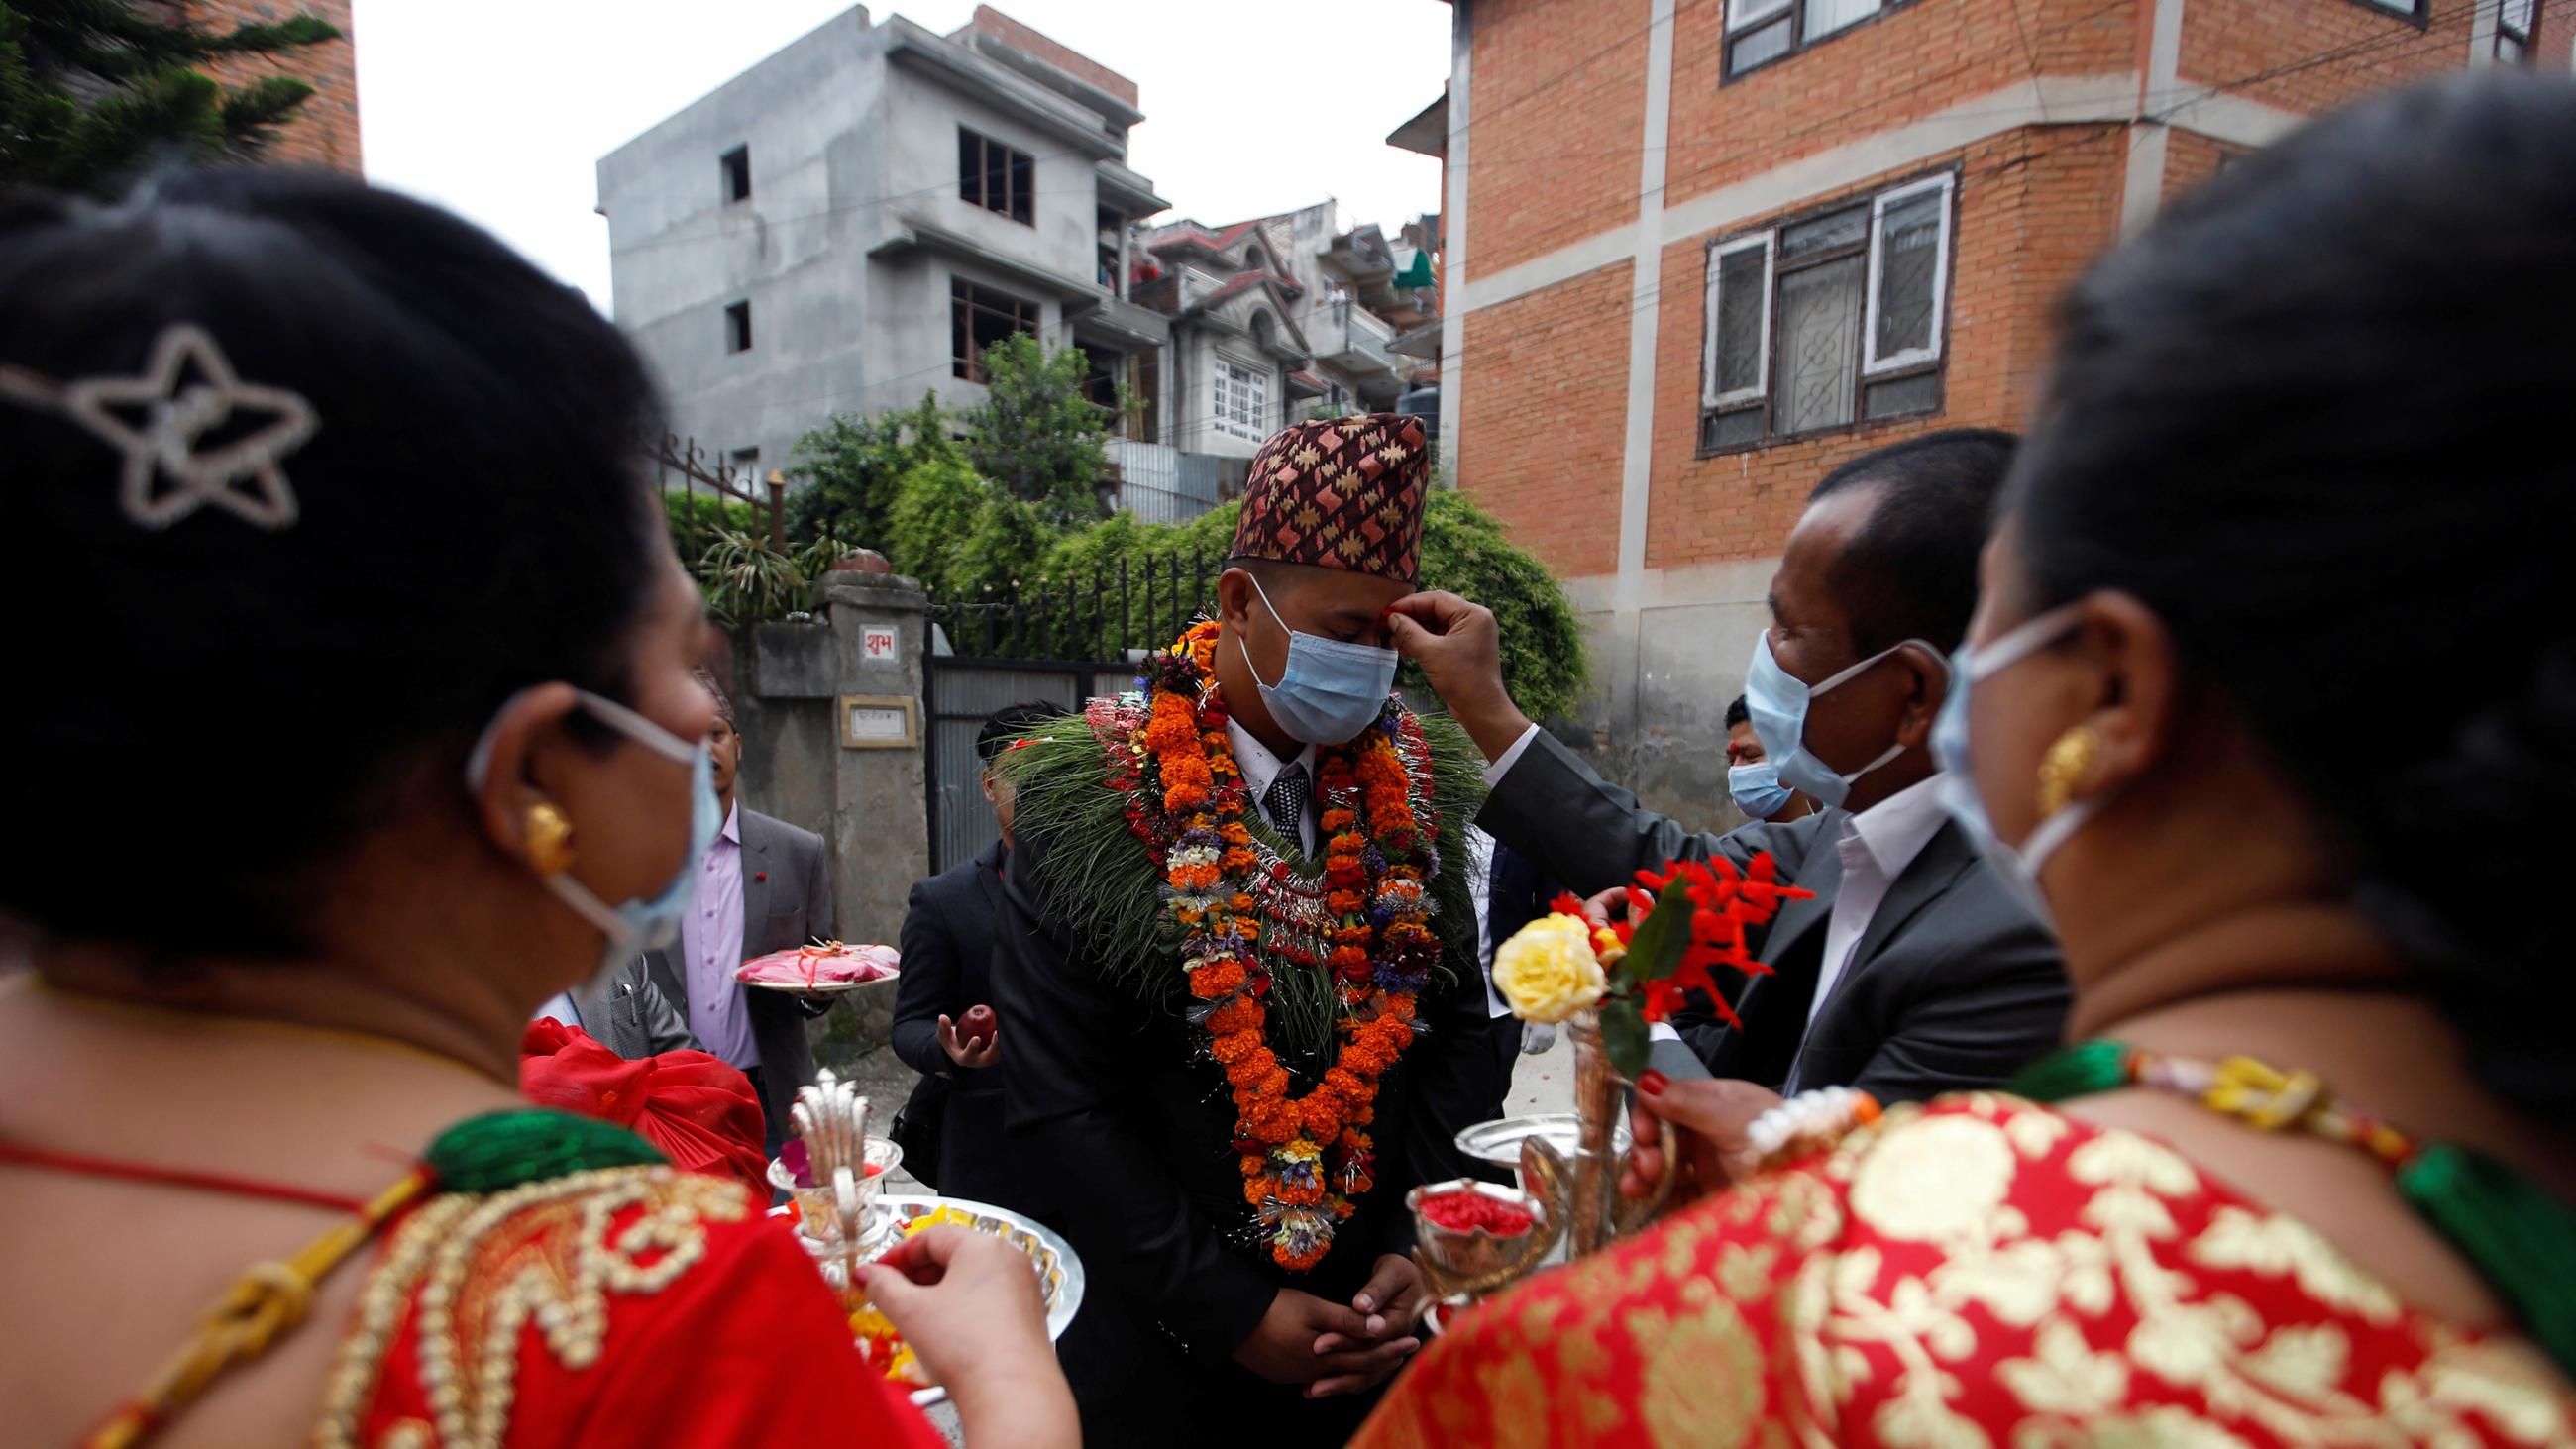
{"x":628,"y":1014}
{"x":786,"y":902}
{"x":947,"y":967}
{"x":1953,"y":985}
{"x":1123,"y":1131}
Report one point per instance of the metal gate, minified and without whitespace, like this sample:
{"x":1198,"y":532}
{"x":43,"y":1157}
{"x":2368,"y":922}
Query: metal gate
{"x":958,"y":694}
{"x":1023,"y":644}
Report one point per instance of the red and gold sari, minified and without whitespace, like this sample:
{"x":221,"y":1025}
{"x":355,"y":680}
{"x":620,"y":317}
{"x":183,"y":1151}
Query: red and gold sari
{"x":1978,"y":1272}
{"x":625,"y":1305}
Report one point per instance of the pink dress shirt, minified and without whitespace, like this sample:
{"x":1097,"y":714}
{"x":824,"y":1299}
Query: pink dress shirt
{"x":710,"y":949}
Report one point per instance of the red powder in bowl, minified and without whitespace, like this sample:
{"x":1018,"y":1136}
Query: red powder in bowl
{"x":1460,"y":1212}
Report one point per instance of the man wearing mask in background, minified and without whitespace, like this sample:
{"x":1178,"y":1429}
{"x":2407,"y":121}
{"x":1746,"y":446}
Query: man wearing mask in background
{"x":951,"y":1128}
{"x":1913,"y":970}
{"x":1752,"y":779}
{"x":762,"y":887}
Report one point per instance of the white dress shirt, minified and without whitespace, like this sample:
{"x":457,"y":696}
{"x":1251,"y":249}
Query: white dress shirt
{"x":1260,"y":767}
{"x":1480,"y":876}
{"x":1876,"y":846}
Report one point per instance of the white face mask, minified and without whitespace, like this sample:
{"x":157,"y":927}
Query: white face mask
{"x":636,"y":925}
{"x":1777,"y":702}
{"x":2016,"y":866}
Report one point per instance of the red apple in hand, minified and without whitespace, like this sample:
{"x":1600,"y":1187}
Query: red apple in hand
{"x":976,"y":1027}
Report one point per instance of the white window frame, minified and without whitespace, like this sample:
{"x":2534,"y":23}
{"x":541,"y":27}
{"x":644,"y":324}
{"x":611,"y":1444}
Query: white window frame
{"x":1741,"y":15}
{"x":1251,"y":384}
{"x":1871,"y":364}
{"x":1709,"y":395}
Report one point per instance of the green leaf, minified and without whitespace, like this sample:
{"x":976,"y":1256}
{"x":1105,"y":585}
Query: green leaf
{"x":1659,"y":943}
{"x":1623,"y":1035}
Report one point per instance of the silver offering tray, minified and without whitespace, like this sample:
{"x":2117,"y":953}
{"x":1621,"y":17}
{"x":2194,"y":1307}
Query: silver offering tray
{"x":1059,"y":1268}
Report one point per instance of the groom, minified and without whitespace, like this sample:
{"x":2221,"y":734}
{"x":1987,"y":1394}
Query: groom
{"x":1237,"y":933}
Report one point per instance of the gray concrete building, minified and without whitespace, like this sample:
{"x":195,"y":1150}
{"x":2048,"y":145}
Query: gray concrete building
{"x":846,"y":225}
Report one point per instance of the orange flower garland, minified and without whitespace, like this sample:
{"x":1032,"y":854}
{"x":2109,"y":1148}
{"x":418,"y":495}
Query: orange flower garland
{"x":1304,"y":1159}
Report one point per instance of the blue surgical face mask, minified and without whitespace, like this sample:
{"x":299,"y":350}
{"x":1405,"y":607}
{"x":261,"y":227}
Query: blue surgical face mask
{"x":2016,"y":866}
{"x":1329,"y":690}
{"x":636,"y":925}
{"x":1757,"y":789}
{"x":1777,"y":700}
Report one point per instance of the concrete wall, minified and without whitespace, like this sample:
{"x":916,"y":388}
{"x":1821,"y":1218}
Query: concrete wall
{"x":923,"y":113}
{"x":681,"y":254}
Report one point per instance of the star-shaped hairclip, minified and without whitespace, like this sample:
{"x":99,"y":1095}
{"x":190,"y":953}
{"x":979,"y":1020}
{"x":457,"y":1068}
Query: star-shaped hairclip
{"x":187,"y":392}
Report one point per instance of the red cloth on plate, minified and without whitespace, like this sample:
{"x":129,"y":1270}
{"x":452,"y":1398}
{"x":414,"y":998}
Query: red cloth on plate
{"x":700,"y":1112}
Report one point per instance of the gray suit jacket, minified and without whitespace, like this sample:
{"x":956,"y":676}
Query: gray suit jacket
{"x":786,"y":902}
{"x":1953,"y":985}
{"x":626,"y":1013}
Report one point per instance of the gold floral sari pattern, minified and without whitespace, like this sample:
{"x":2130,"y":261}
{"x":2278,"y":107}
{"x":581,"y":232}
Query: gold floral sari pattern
{"x":1979,"y":1274}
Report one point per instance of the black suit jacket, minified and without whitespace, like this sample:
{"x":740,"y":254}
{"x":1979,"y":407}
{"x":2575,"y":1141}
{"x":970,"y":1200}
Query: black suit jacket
{"x":948,"y":967}
{"x":786,"y":902}
{"x":1123,"y":1132}
{"x":1953,"y":985}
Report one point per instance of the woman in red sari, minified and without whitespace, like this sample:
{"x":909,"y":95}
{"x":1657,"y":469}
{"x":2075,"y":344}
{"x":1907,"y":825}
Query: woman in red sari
{"x":373,"y":728}
{"x":2271,"y":678}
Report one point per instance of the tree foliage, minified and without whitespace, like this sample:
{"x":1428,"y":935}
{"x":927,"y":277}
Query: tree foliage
{"x":1035,"y":432}
{"x":848,"y":469}
{"x":91,"y":91}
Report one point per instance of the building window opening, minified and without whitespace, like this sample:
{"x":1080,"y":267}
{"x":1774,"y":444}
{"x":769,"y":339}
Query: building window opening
{"x":980,"y":317}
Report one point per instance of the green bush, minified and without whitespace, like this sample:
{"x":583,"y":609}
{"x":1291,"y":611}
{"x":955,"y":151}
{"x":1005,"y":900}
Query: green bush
{"x":697,"y":517}
{"x":847,"y":471}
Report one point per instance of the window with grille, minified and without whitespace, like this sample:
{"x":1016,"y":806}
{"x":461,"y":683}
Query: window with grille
{"x":2515,"y":20}
{"x":1830,"y":320}
{"x":996,"y":177}
{"x":1761,"y":31}
{"x":978,"y":317}
{"x":1242,"y":400}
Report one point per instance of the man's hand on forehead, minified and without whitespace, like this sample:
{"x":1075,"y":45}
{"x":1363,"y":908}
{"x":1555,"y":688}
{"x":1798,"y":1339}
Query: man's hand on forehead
{"x":1460,"y":649}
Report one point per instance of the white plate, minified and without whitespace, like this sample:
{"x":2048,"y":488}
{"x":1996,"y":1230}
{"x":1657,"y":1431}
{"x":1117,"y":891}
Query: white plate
{"x":823,"y":988}
{"x":1059,"y":1268}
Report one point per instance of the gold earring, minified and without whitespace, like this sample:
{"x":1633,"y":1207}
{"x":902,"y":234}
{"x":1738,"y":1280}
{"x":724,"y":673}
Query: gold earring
{"x":2064,"y":767}
{"x":549,"y":839}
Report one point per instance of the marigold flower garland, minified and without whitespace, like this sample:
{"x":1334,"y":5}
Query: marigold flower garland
{"x":1304,"y":1159}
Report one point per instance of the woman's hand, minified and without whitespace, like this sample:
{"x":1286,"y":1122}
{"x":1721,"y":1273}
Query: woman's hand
{"x":1711,"y":1114}
{"x":970,"y":1307}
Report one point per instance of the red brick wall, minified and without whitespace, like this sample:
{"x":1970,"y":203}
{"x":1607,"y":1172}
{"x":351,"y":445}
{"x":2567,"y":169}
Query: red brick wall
{"x":324,"y":131}
{"x":1905,"y":64}
{"x":2192,"y":158}
{"x":1019,"y":37}
{"x":2277,"y":51}
{"x":1545,"y":415}
{"x":1559,"y":101}
{"x":2034,"y":206}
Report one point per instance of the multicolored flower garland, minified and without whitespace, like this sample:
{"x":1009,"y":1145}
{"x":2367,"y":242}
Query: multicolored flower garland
{"x":1304,"y":1159}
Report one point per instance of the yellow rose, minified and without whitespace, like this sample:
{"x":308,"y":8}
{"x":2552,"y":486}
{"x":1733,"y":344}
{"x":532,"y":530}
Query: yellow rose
{"x":1547,"y":972}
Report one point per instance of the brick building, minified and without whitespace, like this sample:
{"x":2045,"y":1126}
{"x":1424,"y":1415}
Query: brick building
{"x":1700,"y":251}
{"x":324,"y":131}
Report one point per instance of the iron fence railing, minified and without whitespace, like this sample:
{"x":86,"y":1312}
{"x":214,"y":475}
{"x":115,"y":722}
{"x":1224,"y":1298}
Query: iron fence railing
{"x":1140,"y":602}
{"x":681,"y":465}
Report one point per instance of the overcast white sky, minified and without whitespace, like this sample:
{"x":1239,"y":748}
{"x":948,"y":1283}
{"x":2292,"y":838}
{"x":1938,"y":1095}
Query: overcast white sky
{"x":499,"y":109}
